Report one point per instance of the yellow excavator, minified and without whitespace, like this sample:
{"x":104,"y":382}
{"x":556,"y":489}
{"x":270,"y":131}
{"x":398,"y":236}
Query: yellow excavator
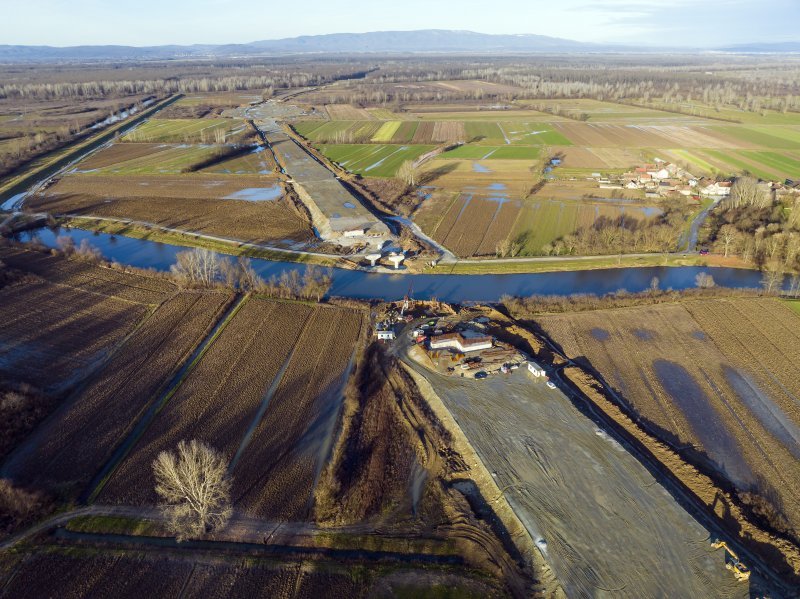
{"x":732,"y":561}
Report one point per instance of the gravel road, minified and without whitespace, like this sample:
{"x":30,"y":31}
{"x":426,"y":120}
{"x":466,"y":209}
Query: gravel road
{"x":605,"y":525}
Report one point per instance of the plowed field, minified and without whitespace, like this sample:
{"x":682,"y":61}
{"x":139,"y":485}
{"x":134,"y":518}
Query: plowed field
{"x":220,"y":399}
{"x":276,"y":474}
{"x":716,"y":378}
{"x":73,"y":445}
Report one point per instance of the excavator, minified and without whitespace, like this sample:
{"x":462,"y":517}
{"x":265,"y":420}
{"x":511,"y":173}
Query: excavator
{"x":732,"y":562}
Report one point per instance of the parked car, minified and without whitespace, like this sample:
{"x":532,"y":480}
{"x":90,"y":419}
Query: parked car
{"x":551,"y":384}
{"x":481,"y":375}
{"x":704,"y":252}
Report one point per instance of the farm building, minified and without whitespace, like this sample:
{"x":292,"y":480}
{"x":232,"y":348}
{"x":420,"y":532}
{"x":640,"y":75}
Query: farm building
{"x":535,"y":369}
{"x":461,"y":343}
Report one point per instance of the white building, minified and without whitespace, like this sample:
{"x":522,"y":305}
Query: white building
{"x":387,"y":335}
{"x":460,"y":343}
{"x":535,"y":369}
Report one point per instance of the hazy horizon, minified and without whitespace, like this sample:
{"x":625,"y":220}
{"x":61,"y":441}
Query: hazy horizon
{"x":644,"y":22}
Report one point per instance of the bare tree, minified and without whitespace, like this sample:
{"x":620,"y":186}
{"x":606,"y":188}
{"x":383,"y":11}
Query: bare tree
{"x":794,"y":286}
{"x":198,"y":267}
{"x":703,"y":280}
{"x":66,"y":244}
{"x":408,"y":173}
{"x":747,"y":192}
{"x":772,"y":280}
{"x":194,"y":485}
{"x":240,"y":274}
{"x":729,"y":236}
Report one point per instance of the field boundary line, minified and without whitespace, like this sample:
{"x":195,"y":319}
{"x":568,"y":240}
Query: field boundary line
{"x":149,"y":415}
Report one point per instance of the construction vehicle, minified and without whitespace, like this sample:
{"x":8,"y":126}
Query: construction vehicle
{"x":732,"y":561}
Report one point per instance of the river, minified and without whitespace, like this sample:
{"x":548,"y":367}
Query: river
{"x":357,"y":284}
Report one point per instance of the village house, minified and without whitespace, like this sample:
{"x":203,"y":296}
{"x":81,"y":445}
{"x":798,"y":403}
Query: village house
{"x":715,"y":188}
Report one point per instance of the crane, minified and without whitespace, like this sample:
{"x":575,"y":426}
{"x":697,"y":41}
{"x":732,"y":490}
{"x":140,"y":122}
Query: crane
{"x":407,"y":300}
{"x":734,"y":564}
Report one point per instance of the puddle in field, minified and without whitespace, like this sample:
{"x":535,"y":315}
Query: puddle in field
{"x":256,"y":194}
{"x":644,"y":334}
{"x":707,"y":427}
{"x":477,"y":167}
{"x":600,"y":334}
{"x":762,"y":407}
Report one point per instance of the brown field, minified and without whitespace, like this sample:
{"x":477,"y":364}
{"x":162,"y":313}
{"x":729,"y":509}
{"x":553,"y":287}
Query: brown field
{"x":70,"y":449}
{"x":645,"y":136}
{"x":715,"y":378}
{"x":96,"y":575}
{"x":71,"y":574}
{"x":598,"y":158}
{"x":116,"y":153}
{"x":276,"y":474}
{"x":53,"y":335}
{"x":471,"y":86}
{"x":424,"y":133}
{"x":473,"y":226}
{"x":256,"y":222}
{"x":347,"y":112}
{"x":219,"y":400}
{"x":131,"y":287}
{"x":195,"y":185}
{"x":448,"y":131}
{"x":470,"y":175}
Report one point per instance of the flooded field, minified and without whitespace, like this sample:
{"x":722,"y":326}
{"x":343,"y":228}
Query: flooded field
{"x":604,"y":524}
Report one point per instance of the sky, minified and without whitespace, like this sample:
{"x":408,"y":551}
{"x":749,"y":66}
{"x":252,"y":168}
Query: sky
{"x":694,"y":23}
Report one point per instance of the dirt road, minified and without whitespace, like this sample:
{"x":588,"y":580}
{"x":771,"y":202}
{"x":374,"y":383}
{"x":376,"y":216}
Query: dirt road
{"x":605,"y":525}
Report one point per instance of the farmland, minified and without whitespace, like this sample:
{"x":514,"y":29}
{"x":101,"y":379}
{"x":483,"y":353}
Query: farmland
{"x":51,"y":339}
{"x":254,"y":400}
{"x":68,"y":451}
{"x":128,"y":574}
{"x":62,"y":319}
{"x":714,"y":377}
{"x":187,"y":131}
{"x":276,"y":472}
{"x":373,"y":160}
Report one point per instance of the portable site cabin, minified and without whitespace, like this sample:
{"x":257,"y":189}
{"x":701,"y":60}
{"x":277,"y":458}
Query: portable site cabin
{"x":535,"y":369}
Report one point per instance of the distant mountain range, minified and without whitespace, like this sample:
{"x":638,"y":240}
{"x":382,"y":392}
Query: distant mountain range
{"x":424,"y":41}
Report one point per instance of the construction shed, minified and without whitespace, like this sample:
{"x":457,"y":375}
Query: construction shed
{"x":460,"y":343}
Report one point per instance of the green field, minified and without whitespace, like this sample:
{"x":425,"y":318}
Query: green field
{"x":740,"y":164}
{"x":387,"y":131}
{"x":480,"y":131}
{"x":168,"y":160}
{"x":543,"y":221}
{"x":760,"y":137}
{"x":781,"y":163}
{"x":472,"y":152}
{"x":373,"y":160}
{"x":695,"y":160}
{"x":183,"y":130}
{"x":533,"y":134}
